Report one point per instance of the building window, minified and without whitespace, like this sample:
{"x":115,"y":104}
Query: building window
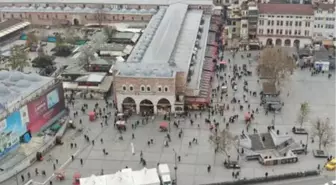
{"x":278,"y":23}
{"x":290,"y":32}
{"x":286,"y":32}
{"x":47,"y":16}
{"x":85,"y":16}
{"x":142,"y":88}
{"x":166,"y":89}
{"x":307,"y":24}
{"x":142,"y":18}
{"x":65,"y":16}
{"x":281,"y":23}
{"x":272,"y":23}
{"x":233,"y":29}
{"x":124,"y":87}
{"x":306,"y":33}
{"x":148,"y":88}
{"x":280,"y":32}
{"x":131,"y":88}
{"x":268,"y":23}
{"x":12,"y":15}
{"x":159,"y":89}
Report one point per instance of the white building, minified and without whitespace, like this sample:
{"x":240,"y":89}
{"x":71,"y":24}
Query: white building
{"x":324,"y":22}
{"x":285,"y":24}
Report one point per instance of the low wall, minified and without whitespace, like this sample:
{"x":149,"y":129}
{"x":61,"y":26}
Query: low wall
{"x":32,"y":157}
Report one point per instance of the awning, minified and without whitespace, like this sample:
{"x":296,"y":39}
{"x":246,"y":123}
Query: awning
{"x":328,"y":42}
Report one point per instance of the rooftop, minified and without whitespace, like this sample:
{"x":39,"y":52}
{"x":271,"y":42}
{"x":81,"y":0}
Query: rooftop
{"x":135,"y":2}
{"x":75,"y":10}
{"x":167,"y":43}
{"x":286,"y":9}
{"x":9,"y":23}
{"x":14,"y":86}
{"x":327,"y":7}
{"x":163,"y":42}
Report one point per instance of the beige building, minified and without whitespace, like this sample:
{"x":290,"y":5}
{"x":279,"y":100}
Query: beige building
{"x":75,"y":12}
{"x":168,"y":66}
{"x":285,"y":24}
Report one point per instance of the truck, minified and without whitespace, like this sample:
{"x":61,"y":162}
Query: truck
{"x":164,"y":174}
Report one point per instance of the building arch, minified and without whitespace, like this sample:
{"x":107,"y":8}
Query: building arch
{"x":269,"y":42}
{"x":287,"y":42}
{"x":76,"y":22}
{"x":146,"y":107}
{"x":278,"y":42}
{"x":163,"y":106}
{"x":296,"y":43}
{"x":128,"y":104}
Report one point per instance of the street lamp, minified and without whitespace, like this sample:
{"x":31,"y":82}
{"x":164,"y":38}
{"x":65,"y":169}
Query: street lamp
{"x":175,"y":167}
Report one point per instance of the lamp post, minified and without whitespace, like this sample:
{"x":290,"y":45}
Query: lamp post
{"x":175,"y":167}
{"x":16,"y":177}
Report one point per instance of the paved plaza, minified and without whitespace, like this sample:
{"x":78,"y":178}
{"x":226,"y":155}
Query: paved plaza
{"x":318,"y":90}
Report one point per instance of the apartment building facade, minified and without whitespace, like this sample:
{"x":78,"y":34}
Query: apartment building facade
{"x":324,"y":22}
{"x":285,"y":24}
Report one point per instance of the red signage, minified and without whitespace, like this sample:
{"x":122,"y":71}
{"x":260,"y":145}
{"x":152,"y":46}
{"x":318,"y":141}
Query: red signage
{"x":43,"y":109}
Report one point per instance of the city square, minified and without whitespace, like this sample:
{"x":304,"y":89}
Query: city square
{"x":195,"y":92}
{"x":192,"y":169}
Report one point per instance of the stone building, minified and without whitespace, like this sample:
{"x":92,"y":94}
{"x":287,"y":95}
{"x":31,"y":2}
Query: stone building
{"x":169,"y":64}
{"x":74,"y":12}
{"x":285,"y":24}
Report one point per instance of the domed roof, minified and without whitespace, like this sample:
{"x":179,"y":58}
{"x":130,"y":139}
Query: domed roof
{"x":124,"y":10}
{"x":115,"y":10}
{"x":152,"y":10}
{"x":23,"y":7}
{"x":16,"y":76}
{"x":23,"y":84}
{"x":4,"y":90}
{"x":57,"y":8}
{"x":31,"y":8}
{"x":78,"y":9}
{"x":33,"y":77}
{"x":87,"y":9}
{"x":106,"y":9}
{"x":40,"y":8}
{"x":3,"y":75}
{"x":134,"y":11}
{"x":49,"y":8}
{"x":67,"y":9}
{"x":143,"y":11}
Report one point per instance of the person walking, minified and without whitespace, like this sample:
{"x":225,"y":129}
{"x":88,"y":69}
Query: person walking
{"x":81,"y":161}
{"x":209,"y":168}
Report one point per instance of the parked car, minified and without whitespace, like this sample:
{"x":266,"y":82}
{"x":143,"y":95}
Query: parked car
{"x":231,"y":165}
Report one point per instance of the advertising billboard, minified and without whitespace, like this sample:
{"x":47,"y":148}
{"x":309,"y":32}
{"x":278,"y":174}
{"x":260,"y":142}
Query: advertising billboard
{"x":44,"y":108}
{"x":11,"y":129}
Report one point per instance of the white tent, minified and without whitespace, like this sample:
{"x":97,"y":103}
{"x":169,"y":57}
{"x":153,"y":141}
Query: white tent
{"x":146,"y":177}
{"x":120,"y":178}
{"x":93,"y":180}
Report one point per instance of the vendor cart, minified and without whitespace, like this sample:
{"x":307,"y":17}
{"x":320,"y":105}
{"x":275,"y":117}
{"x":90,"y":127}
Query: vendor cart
{"x":121,"y":125}
{"x":247,"y":117}
{"x":60,"y":175}
{"x":76,"y":178}
{"x":92,"y":116}
{"x":164,"y":126}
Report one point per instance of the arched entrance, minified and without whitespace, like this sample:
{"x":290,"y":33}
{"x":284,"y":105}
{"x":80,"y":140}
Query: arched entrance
{"x":278,"y":42}
{"x":146,"y":107}
{"x":163,"y":106}
{"x":287,"y":42}
{"x":129,"y":104}
{"x":296,"y":43}
{"x":75,"y":22}
{"x":269,"y":42}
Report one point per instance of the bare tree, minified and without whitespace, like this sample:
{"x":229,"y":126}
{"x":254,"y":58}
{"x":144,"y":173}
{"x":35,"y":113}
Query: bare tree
{"x":109,"y":33}
{"x":32,"y":40}
{"x":87,"y":54}
{"x":303,"y":113}
{"x":275,"y":64}
{"x":324,"y":131}
{"x":99,"y":16}
{"x":223,"y":141}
